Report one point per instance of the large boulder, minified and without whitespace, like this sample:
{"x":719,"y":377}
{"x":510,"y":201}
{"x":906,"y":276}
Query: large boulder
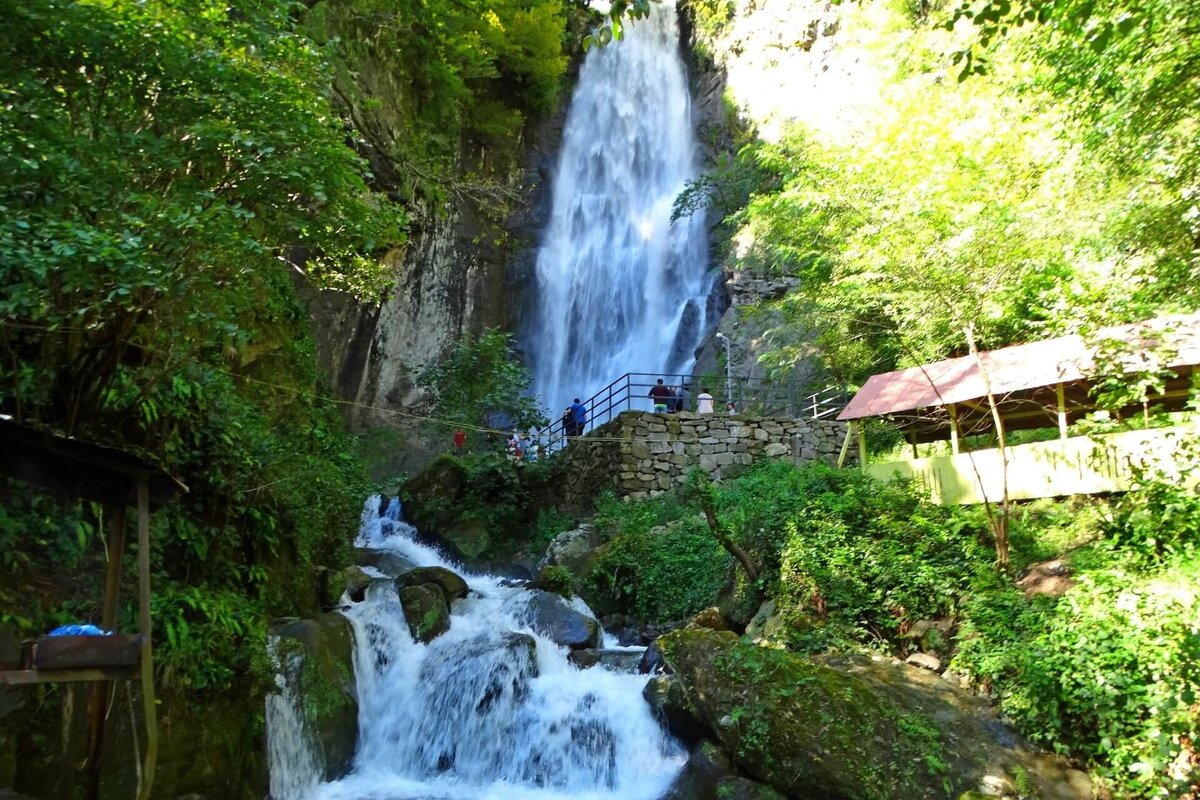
{"x":324,"y":682}
{"x":557,"y":620}
{"x":813,"y":730}
{"x":571,"y":549}
{"x":451,"y":583}
{"x":426,"y":611}
{"x":709,"y":775}
{"x":669,"y":701}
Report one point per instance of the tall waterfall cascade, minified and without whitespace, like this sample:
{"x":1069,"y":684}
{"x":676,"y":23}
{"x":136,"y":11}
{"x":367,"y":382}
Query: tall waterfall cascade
{"x":490,"y":710}
{"x":620,"y":288}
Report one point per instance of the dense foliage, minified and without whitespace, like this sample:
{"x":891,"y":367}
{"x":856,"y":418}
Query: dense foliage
{"x":481,"y":386}
{"x":456,"y":71}
{"x":1105,"y":673}
{"x":1051,"y":193}
{"x":660,"y":563}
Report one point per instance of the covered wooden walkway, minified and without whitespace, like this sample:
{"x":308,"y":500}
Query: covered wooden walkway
{"x":1045,"y":384}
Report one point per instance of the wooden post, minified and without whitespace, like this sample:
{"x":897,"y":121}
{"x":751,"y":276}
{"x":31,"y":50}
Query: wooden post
{"x":862,"y":446}
{"x":144,"y":627}
{"x":953,"y":409}
{"x":1062,"y":412}
{"x":845,"y":444}
{"x":912,"y":440}
{"x":98,"y":700}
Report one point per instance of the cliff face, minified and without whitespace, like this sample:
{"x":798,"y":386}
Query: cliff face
{"x":760,"y":67}
{"x":467,"y":264}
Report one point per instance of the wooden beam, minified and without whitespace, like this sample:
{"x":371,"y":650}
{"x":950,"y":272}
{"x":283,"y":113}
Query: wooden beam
{"x":862,"y":446}
{"x":912,"y":440}
{"x":953,"y":410}
{"x":33,"y":677}
{"x":144,"y":627}
{"x":1062,"y":411}
{"x":846,"y":444}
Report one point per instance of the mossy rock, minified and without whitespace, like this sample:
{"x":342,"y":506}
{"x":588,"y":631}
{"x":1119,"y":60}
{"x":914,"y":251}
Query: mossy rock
{"x":327,"y":688}
{"x":426,"y":611}
{"x":470,"y":537}
{"x":808,"y":730}
{"x":431,"y":495}
{"x":451,"y":583}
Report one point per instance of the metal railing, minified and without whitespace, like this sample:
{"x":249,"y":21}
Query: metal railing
{"x":757,"y":396}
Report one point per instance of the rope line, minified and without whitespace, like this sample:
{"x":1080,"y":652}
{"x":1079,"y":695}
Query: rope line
{"x":339,"y":401}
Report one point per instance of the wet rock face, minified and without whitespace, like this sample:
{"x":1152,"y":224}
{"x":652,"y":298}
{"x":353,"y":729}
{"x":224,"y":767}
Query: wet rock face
{"x":554,"y":618}
{"x":844,"y":730}
{"x":616,"y":660}
{"x":388,"y":562}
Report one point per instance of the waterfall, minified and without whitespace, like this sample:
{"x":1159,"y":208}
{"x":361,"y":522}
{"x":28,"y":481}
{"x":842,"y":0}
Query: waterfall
{"x":490,"y":710}
{"x":619,"y":287}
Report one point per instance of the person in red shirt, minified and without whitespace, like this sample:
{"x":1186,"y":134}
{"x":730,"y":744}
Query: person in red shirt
{"x":460,"y":442}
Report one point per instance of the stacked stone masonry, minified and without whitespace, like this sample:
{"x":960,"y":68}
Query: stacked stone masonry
{"x":640,"y":454}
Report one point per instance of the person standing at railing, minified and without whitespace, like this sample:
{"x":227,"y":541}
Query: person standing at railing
{"x":704,"y":402}
{"x":568,"y":423}
{"x":578,"y":417}
{"x":662,"y":397}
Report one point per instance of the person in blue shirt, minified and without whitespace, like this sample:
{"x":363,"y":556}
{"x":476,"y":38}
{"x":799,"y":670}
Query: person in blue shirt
{"x":579,"y":417}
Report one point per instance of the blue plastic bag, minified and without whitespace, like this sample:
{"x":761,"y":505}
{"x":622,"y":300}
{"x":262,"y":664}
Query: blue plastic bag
{"x":78,"y":630}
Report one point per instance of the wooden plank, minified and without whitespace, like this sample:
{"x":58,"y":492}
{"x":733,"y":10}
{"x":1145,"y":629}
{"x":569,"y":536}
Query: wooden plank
{"x":85,"y":652}
{"x":32,"y":677}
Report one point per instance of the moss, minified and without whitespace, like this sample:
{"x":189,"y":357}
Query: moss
{"x":792,"y":723}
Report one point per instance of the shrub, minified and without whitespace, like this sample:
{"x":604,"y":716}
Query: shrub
{"x":557,"y":579}
{"x":1108,"y":672}
{"x":661,"y":563}
{"x":864,"y":558}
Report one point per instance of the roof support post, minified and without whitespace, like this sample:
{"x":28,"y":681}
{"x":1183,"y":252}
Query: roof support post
{"x":912,"y":440}
{"x":144,"y":627}
{"x":862,"y":446}
{"x":953,"y":409}
{"x":98,"y":699}
{"x":846,"y":444}
{"x":1062,"y":411}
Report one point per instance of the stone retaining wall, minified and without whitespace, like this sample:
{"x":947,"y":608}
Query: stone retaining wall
{"x":640,"y":454}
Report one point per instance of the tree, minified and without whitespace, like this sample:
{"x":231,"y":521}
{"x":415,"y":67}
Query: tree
{"x":165,"y":167}
{"x":480,"y":383}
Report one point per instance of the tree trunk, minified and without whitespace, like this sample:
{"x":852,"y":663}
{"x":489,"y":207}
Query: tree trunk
{"x":999,"y":523}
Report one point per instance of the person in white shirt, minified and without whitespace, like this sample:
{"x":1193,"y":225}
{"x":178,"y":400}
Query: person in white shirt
{"x":704,"y":402}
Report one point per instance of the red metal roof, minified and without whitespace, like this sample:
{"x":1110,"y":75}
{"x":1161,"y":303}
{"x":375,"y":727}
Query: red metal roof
{"x":1023,"y":367}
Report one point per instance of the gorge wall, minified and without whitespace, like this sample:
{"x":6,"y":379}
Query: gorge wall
{"x":474,"y":220}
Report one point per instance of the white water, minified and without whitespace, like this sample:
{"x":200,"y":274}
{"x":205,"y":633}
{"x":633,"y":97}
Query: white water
{"x":619,"y":287}
{"x":475,"y":714}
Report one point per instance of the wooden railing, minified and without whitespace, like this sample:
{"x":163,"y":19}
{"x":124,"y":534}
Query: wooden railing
{"x":1076,"y":465}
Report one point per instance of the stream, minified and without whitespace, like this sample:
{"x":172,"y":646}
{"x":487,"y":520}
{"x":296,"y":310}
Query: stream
{"x":490,"y":710}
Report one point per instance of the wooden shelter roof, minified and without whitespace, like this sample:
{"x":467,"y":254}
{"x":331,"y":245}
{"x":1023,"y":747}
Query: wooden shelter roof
{"x":1025,"y":379}
{"x":80,"y":469}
